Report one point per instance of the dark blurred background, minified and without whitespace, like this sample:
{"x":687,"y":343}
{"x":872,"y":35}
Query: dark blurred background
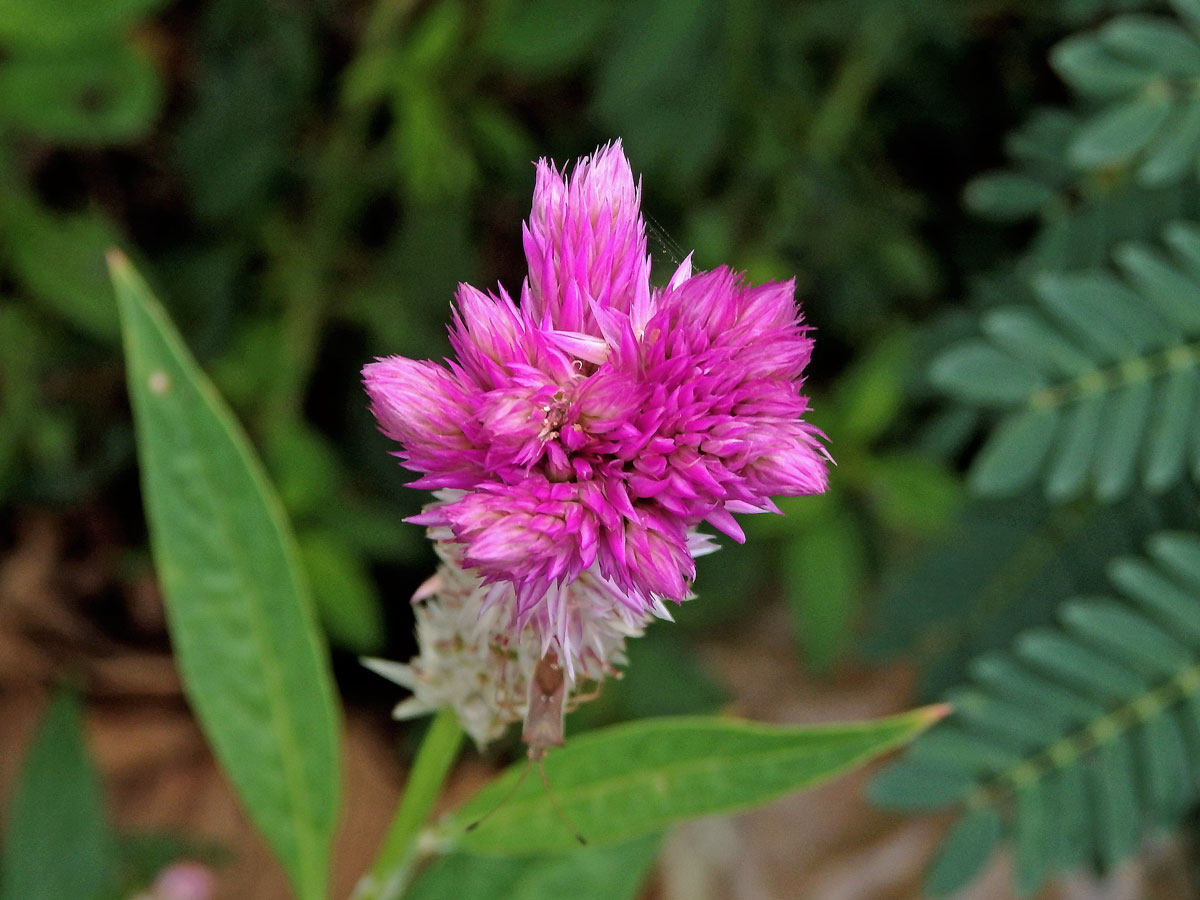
{"x":304,"y":184}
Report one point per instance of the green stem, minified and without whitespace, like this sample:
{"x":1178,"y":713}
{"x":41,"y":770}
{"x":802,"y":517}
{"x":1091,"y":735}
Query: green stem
{"x":396,"y":862}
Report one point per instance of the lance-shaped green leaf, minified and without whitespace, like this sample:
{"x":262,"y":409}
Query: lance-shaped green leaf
{"x":620,"y":783}
{"x":241,"y":620}
{"x":588,"y":873}
{"x":56,"y":843}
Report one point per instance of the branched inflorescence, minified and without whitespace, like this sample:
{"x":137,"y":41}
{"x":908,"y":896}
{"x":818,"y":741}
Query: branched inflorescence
{"x":577,"y":440}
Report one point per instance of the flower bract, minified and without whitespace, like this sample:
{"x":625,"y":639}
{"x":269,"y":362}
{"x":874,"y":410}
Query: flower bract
{"x":586,"y":431}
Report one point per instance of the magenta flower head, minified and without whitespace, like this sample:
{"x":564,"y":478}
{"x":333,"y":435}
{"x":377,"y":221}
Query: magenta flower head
{"x":592,"y":428}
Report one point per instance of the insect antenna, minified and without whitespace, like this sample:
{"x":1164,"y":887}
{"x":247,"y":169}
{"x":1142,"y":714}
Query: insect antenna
{"x":562,"y":816}
{"x":507,"y":796}
{"x":543,"y":730}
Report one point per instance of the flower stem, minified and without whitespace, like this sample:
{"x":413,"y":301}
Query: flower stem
{"x":396,"y":861}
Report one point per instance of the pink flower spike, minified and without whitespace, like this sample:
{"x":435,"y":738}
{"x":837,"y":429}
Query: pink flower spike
{"x":586,"y":242}
{"x":584,"y":435}
{"x":427,"y":410}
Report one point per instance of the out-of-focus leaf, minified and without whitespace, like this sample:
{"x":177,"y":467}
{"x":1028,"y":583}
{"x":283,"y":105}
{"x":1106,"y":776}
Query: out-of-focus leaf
{"x":433,"y":161}
{"x":824,"y":570}
{"x":56,"y":23}
{"x":60,"y":259}
{"x":911,"y":493}
{"x":431,"y":43}
{"x":244,"y":633}
{"x":1075,"y":448}
{"x":97,"y":94}
{"x":1006,"y":196}
{"x":978,"y":372}
{"x":1021,"y":332}
{"x":1003,"y":568}
{"x":1174,"y":150}
{"x":1041,"y":142}
{"x":501,"y":138}
{"x":257,"y":62}
{"x":1167,"y":439}
{"x":654,"y":40}
{"x":20,"y":349}
{"x":1189,"y":11}
{"x":1102,"y":314}
{"x":244,"y":372}
{"x":666,"y":48}
{"x":636,"y":779}
{"x":1171,"y":291}
{"x":727,"y":581}
{"x":1117,"y":133}
{"x":202,"y":281}
{"x":1111,"y":675}
{"x":373,"y":528}
{"x":798,"y":512}
{"x":370,"y":76}
{"x":871,"y":392}
{"x":56,"y":843}
{"x":1153,"y":42}
{"x":544,"y":36}
{"x":964,"y":852}
{"x":305,"y":469}
{"x":1184,"y":239}
{"x":912,"y":786}
{"x":1127,"y":415}
{"x":1090,"y":69}
{"x":432,"y":253}
{"x":345,"y":595}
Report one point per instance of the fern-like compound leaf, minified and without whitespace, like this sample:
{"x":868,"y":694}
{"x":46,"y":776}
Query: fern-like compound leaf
{"x":1141,"y":71}
{"x":1097,"y":386}
{"x":1077,"y":741}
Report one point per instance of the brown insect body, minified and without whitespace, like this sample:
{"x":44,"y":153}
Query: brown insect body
{"x":547,"y":707}
{"x":542,"y":730}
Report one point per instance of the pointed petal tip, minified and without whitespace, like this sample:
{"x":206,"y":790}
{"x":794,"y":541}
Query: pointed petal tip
{"x":934,"y":713}
{"x":682,"y":273}
{"x":397,"y":673}
{"x":116,"y":258}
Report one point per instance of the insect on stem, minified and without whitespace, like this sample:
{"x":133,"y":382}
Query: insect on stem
{"x":543,"y":729}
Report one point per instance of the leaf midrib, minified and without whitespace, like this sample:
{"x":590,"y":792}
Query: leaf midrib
{"x":576,"y":795}
{"x":308,"y":843}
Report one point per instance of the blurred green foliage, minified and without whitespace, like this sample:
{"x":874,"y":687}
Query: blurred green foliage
{"x":307,"y":184}
{"x":990,"y":209}
{"x":58,"y":841}
{"x":58,"y":810}
{"x":1075,"y":381}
